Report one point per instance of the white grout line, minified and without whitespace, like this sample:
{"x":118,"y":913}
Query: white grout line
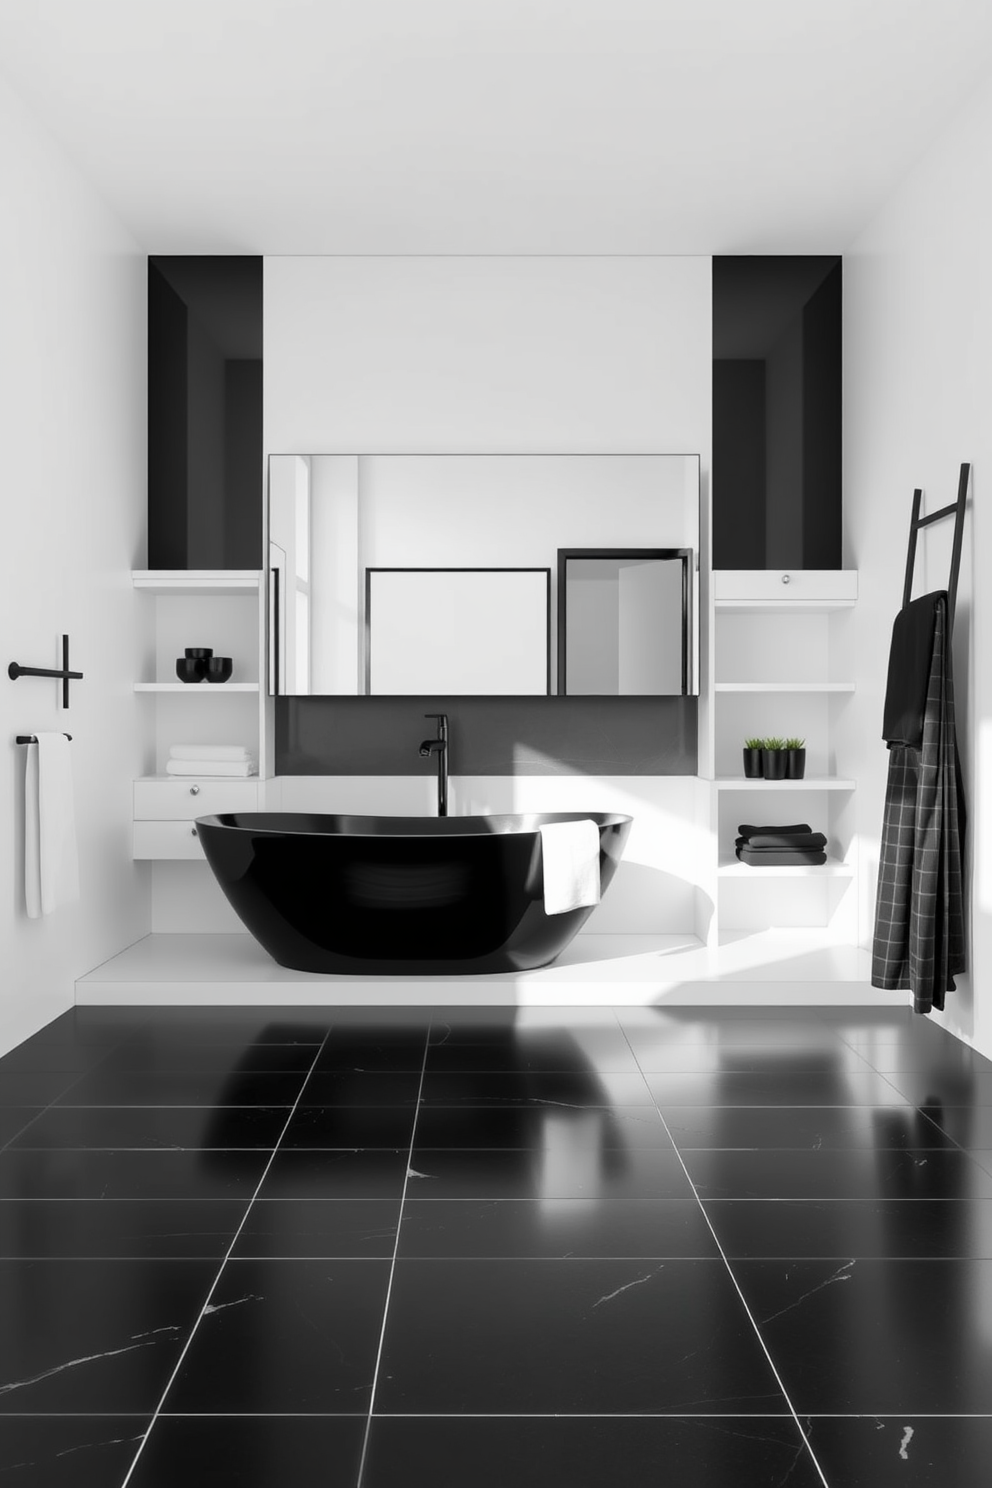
{"x":227,"y":1257}
{"x":392,"y":1268}
{"x":723,"y":1256}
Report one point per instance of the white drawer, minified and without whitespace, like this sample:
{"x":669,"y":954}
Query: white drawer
{"x":786,"y":583}
{"x":181,"y":800}
{"x":166,"y":839}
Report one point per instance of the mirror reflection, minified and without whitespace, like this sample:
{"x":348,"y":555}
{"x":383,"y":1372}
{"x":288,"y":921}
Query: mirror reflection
{"x":469,"y":574}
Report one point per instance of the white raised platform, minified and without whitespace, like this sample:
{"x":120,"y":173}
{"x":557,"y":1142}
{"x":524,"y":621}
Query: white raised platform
{"x":767,"y":968}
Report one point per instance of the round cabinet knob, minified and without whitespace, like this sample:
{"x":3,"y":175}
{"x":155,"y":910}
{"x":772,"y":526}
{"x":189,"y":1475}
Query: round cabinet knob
{"x":194,"y":790}
{"x":785,"y":579}
{"x":192,"y":831}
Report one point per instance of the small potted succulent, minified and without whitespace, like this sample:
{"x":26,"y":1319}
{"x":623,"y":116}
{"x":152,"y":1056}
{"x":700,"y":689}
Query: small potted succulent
{"x":795,"y":767}
{"x":753,"y":769}
{"x":773,"y":759}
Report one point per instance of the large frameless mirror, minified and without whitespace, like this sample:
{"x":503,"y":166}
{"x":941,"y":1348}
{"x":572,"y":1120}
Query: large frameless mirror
{"x":485,"y":575}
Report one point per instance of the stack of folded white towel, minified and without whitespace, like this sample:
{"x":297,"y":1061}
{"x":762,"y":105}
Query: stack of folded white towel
{"x":210,"y":759}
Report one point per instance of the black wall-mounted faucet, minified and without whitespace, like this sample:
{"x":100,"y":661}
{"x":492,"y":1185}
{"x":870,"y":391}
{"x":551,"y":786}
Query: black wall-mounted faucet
{"x":439,"y":746}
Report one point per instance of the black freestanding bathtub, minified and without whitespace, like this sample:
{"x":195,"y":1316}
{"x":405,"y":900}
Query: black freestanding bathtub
{"x":405,"y":895}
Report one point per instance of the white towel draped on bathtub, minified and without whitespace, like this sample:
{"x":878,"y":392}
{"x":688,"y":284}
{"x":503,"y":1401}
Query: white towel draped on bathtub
{"x":570,"y":853}
{"x":51,"y":864}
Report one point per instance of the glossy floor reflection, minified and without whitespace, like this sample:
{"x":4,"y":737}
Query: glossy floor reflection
{"x":567,"y":1247}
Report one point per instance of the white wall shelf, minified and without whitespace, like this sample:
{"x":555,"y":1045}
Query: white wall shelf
{"x":196,"y":581}
{"x":832,"y":868}
{"x":783,"y":606}
{"x":816,"y":783}
{"x":783,"y":687}
{"x":198,"y":689}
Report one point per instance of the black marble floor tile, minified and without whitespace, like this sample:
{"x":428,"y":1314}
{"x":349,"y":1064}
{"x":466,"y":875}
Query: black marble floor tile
{"x":950,"y":1087}
{"x":157,"y":1229}
{"x":750,"y":1061}
{"x":804,"y":1089}
{"x":590,"y":1088}
{"x":919,"y":1059}
{"x":554,"y":1228}
{"x":68,"y":1451}
{"x":905,"y":1228}
{"x":210,"y":1059}
{"x":856,"y":1174}
{"x":154,"y":1127}
{"x":175,"y":1088}
{"x":51,"y":1059}
{"x":534,"y":1126}
{"x":350,"y":1126}
{"x":94,"y":1335}
{"x":285,"y":1336}
{"x":566,"y":1172}
{"x":361,"y":1052}
{"x":376,"y":1173}
{"x":802,"y":1128}
{"x":364,"y":1229}
{"x":94,"y":1025}
{"x":902,"y":1451}
{"x":13,"y":1120}
{"x":969,"y":1126}
{"x":64,"y":1174}
{"x":361,"y":1089}
{"x":35,"y":1088}
{"x":252,"y":1452}
{"x":232,"y":1025}
{"x":876,"y":1337}
{"x":559,"y":1052}
{"x":572,"y":1337}
{"x":591,"y":1452}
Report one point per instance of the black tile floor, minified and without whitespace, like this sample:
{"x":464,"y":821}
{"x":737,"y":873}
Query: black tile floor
{"x":259,"y":1248}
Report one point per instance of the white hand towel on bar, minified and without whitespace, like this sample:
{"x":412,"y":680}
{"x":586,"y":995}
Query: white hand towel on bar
{"x":235,"y":752}
{"x":570,"y":853}
{"x":239,"y":769}
{"x":51,"y":863}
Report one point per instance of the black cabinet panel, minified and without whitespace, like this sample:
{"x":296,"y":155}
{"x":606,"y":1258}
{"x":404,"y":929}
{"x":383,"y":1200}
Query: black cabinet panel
{"x":204,"y":412}
{"x":777,"y":412}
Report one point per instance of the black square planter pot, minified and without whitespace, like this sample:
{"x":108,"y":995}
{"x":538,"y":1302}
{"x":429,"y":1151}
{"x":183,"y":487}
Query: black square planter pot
{"x":753,"y":766}
{"x":773,"y":763}
{"x":796,"y":764}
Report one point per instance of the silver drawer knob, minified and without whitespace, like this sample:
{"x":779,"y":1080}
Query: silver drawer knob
{"x":194,"y":790}
{"x":192,"y":831}
{"x":785,"y":578}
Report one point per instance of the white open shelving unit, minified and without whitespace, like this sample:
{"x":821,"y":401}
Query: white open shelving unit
{"x":781,"y":663}
{"x":225,"y":610}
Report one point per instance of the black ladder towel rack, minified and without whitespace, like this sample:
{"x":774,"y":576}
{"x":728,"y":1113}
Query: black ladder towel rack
{"x":955,"y":509}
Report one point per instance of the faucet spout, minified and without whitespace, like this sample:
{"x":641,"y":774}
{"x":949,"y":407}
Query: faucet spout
{"x":439,"y":746}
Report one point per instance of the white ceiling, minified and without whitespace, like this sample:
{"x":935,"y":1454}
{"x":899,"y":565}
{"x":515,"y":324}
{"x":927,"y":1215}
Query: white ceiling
{"x":495,"y":126}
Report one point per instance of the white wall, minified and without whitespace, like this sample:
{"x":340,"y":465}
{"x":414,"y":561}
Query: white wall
{"x":917,"y":345}
{"x":72,"y":393}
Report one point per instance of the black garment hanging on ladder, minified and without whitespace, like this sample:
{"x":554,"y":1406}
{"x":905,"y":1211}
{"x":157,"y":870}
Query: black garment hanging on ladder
{"x":919,"y":940}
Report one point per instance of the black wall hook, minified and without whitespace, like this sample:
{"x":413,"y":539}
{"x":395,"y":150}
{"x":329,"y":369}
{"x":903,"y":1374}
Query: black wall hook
{"x":15,"y":670}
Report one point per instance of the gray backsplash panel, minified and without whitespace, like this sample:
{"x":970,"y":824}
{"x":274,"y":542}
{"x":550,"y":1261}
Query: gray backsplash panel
{"x":488,"y":736}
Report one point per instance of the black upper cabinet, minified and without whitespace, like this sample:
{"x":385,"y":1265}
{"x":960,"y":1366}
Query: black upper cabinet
{"x":777,"y":412}
{"x":204,"y":412}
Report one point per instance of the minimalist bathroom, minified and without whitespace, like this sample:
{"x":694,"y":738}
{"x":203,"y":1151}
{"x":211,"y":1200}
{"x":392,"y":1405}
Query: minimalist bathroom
{"x":496,"y":703}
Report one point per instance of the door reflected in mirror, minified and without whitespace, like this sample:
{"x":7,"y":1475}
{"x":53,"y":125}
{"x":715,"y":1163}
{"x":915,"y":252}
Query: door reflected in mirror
{"x":440,"y":574}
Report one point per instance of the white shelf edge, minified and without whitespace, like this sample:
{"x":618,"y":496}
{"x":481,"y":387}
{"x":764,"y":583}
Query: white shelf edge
{"x":732,"y":868}
{"x":774,"y":606}
{"x":199,"y":688}
{"x":811,"y":782}
{"x":784,"y":686}
{"x":197,"y":581}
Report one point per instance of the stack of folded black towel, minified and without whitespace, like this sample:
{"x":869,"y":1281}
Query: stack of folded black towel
{"x":780,"y":847}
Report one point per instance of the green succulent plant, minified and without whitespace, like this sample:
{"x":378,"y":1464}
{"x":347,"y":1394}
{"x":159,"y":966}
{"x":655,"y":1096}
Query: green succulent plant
{"x":774,"y":743}
{"x":795,"y":743}
{"x":754,"y":743}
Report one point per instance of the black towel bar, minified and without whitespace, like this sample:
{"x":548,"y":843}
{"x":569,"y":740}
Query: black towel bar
{"x":32,"y":738}
{"x":15,"y":670}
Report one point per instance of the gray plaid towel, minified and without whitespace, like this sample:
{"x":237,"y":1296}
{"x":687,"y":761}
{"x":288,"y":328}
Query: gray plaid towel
{"x":919,"y":912}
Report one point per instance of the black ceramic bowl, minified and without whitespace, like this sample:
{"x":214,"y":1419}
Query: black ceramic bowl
{"x":199,"y":653}
{"x":218,"y":668}
{"x":189,"y":668}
